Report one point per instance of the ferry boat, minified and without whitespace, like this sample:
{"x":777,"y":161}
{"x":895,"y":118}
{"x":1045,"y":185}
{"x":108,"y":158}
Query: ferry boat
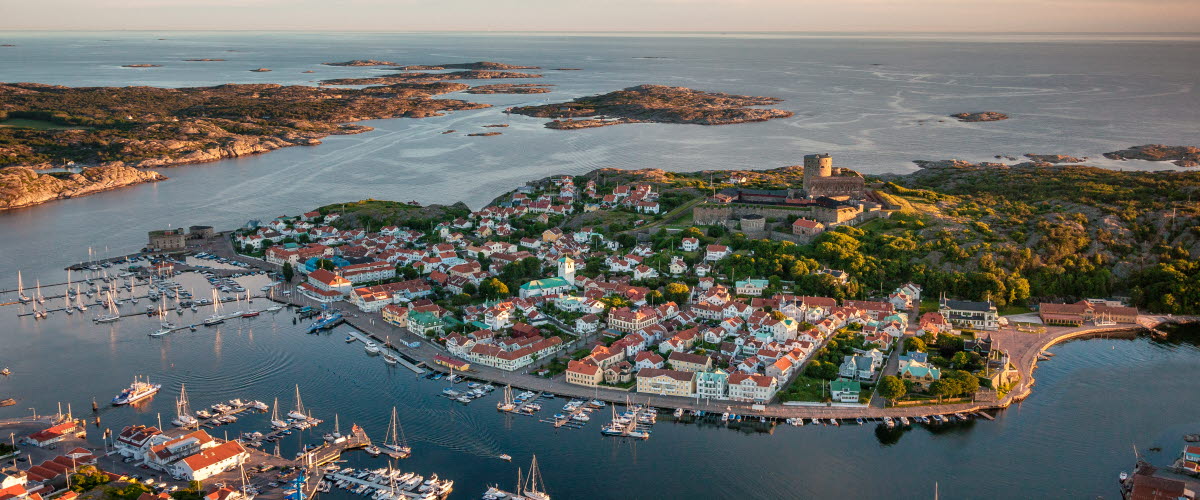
{"x":325,"y":321}
{"x":139,"y":390}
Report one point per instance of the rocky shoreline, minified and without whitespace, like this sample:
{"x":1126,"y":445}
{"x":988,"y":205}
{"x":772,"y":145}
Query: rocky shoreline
{"x":1182,"y":156}
{"x":655,"y":104}
{"x":23,"y":187}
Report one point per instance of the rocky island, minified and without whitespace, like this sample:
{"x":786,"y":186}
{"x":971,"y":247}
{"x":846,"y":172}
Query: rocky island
{"x":655,"y":104}
{"x":261,"y":70}
{"x":510,"y":88}
{"x":22,"y":187}
{"x":203,"y":60}
{"x":489,"y":65}
{"x":980,"y":116}
{"x":395,"y":78}
{"x":483,"y":134}
{"x":158,"y":127}
{"x":141,"y":66}
{"x":1183,"y":156}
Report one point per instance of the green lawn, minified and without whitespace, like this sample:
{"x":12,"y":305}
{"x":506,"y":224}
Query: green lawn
{"x":805,"y":388}
{"x":1014,"y":309}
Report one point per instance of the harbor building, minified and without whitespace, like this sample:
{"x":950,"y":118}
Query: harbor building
{"x":977,"y":315}
{"x":167,"y":240}
{"x":666,"y":382}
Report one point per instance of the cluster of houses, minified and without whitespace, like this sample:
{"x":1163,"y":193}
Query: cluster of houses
{"x":725,"y":341}
{"x":194,"y":456}
{"x":721,"y":346}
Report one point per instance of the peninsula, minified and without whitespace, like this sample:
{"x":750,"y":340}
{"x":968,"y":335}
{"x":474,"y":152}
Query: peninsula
{"x":655,"y":104}
{"x":160,"y":127}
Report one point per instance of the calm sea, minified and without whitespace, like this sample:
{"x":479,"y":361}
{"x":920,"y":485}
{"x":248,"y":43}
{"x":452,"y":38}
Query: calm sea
{"x":875,"y":103}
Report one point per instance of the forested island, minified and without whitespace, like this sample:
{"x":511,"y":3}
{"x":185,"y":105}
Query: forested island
{"x":655,"y":104}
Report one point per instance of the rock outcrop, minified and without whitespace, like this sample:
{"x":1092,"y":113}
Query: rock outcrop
{"x":421,"y":67}
{"x":1183,"y":156}
{"x":141,"y":66}
{"x":655,"y":104}
{"x":21,"y":187}
{"x":1055,"y":158}
{"x":980,"y":116}
{"x":510,"y":88}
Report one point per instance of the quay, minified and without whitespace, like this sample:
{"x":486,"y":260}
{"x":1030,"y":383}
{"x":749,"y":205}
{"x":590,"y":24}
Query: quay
{"x":332,"y":450}
{"x":383,"y":345}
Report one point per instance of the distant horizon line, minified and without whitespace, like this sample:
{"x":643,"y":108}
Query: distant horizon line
{"x":576,"y":32}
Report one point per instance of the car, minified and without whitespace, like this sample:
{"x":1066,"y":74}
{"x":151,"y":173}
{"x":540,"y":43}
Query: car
{"x":149,"y":480}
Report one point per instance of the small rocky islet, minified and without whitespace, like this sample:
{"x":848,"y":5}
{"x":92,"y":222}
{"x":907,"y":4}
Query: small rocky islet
{"x":141,"y":65}
{"x":655,"y":104}
{"x":980,"y":116}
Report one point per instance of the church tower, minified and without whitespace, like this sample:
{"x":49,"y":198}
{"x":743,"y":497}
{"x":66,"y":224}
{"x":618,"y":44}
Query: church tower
{"x":566,"y":269}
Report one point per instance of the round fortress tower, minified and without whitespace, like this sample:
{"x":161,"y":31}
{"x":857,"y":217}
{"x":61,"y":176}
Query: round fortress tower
{"x":817,"y":165}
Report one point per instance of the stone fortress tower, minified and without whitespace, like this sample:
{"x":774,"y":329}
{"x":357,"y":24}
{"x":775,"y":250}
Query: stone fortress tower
{"x":819,"y":178}
{"x":817,"y":165}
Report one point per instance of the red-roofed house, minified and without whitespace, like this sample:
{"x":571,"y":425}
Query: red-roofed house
{"x":211,"y":461}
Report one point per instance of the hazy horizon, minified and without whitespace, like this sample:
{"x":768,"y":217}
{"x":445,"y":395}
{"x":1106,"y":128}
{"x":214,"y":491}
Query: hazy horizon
{"x":635,"y":16}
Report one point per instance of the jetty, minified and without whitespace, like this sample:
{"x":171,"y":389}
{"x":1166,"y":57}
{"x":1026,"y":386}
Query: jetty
{"x":332,"y":450}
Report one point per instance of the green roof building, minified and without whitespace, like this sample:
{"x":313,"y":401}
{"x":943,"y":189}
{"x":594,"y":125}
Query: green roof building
{"x":545,"y":286}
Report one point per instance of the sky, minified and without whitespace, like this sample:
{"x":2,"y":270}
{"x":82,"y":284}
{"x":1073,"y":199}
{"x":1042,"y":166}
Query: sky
{"x":958,"y":16}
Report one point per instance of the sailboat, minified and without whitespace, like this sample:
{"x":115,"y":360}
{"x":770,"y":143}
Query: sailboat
{"x":79,"y":300}
{"x":183,"y":411}
{"x":337,"y":432}
{"x":388,"y":357}
{"x":216,"y":317}
{"x":21,"y":289}
{"x":67,"y":303}
{"x":276,"y":422}
{"x":40,"y":298}
{"x":394,"y":444}
{"x":507,"y":403}
{"x":536,"y":490}
{"x":114,"y":314}
{"x":298,"y":413}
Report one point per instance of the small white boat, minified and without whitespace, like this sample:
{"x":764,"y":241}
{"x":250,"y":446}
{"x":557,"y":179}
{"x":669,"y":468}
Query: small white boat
{"x":371,"y":348}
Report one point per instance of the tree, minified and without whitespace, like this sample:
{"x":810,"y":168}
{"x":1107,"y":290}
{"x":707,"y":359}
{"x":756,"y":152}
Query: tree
{"x":912,"y":344}
{"x":406,"y":272}
{"x":677,"y":292}
{"x":967,"y":383}
{"x":655,"y":297}
{"x":288,"y":272}
{"x":469,"y":288}
{"x":891,"y":388}
{"x":493,"y":288}
{"x":86,"y":478}
{"x":326,"y":264}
